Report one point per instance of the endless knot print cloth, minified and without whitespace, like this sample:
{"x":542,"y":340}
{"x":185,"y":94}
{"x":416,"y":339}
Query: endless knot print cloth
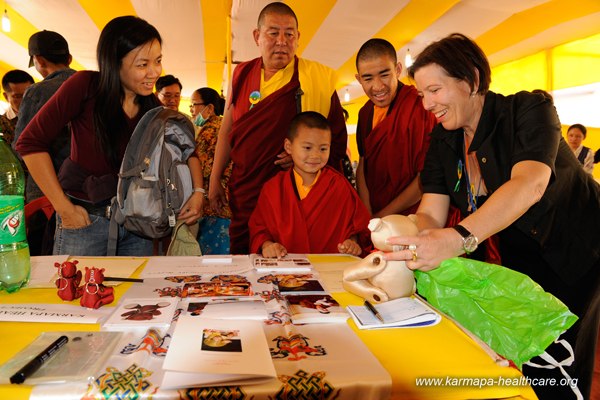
{"x":321,"y":361}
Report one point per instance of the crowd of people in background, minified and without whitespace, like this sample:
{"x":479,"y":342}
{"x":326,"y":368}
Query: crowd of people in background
{"x":268,"y":171}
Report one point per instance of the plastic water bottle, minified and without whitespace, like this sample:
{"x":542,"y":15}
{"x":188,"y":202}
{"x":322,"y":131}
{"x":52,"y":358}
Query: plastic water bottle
{"x":14,"y":251}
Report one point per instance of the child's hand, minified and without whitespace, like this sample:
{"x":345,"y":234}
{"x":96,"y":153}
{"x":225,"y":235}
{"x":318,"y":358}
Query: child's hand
{"x":273,"y":250}
{"x":350,"y":247}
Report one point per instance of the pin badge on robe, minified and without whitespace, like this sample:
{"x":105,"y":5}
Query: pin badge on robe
{"x":254,"y":98}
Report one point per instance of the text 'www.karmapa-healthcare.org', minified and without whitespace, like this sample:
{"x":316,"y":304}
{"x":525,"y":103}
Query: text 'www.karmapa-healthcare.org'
{"x":489,"y":382}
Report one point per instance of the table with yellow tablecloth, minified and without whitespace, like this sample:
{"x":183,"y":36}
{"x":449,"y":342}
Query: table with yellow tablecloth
{"x":436,"y":362}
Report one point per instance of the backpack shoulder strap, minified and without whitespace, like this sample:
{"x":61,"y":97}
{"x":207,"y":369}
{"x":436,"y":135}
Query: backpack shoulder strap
{"x":113,"y":231}
{"x":583,"y":154}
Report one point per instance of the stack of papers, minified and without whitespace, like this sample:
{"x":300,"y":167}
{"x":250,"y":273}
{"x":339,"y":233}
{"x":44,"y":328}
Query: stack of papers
{"x":402,"y":312}
{"x":212,"y":352}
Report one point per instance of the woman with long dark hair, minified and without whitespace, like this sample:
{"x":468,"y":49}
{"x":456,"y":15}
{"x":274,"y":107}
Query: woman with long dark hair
{"x":102,"y":109}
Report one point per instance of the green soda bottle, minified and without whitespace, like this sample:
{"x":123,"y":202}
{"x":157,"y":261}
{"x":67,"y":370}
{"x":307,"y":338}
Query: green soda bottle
{"x":15,"y":262}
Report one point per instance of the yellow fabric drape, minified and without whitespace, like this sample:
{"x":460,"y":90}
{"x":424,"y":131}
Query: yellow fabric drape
{"x":316,"y":81}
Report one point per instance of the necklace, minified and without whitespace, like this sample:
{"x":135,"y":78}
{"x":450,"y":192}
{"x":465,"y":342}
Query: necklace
{"x":470,"y":172}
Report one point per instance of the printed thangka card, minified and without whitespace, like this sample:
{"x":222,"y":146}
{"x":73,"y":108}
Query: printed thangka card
{"x":294,"y":283}
{"x":135,"y":313}
{"x":323,"y":308}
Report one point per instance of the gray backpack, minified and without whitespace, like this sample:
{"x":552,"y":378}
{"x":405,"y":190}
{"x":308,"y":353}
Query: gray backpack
{"x":154,"y":179}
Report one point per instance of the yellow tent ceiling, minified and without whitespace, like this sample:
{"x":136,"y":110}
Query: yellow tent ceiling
{"x":195,"y":32}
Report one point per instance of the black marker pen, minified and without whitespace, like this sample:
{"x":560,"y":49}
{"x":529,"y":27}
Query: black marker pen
{"x":38,"y":360}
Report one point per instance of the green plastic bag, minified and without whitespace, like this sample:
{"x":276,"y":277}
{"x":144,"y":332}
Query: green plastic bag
{"x":504,"y":308}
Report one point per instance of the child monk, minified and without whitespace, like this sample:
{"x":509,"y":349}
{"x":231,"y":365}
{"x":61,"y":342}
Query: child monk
{"x":311,"y":208}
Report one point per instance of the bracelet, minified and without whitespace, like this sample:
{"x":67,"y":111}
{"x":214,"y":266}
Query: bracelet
{"x":201,"y":190}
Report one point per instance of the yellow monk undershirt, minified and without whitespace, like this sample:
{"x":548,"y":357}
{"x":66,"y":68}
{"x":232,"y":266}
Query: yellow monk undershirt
{"x":317,"y":82}
{"x":379,"y":113}
{"x":304,"y":190}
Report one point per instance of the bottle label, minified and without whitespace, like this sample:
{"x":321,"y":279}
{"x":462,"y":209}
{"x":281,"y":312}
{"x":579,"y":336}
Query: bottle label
{"x":12,"y":219}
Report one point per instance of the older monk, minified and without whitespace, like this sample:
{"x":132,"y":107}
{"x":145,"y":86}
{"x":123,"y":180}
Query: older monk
{"x":265,"y":94}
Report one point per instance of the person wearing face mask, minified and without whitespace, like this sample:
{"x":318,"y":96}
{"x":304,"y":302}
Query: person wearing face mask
{"x":206,"y":107}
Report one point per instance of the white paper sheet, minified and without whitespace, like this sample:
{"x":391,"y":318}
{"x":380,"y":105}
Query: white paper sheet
{"x":67,"y":313}
{"x":397,"y":313}
{"x":236,"y":309}
{"x":206,"y":351}
{"x":43,"y":271}
{"x":158,"y":267}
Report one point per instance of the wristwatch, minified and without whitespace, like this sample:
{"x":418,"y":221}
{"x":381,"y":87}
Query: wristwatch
{"x":470,"y":241}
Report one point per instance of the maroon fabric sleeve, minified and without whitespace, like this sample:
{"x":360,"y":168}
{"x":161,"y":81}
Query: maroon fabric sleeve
{"x":395,"y":149}
{"x":339,"y":135}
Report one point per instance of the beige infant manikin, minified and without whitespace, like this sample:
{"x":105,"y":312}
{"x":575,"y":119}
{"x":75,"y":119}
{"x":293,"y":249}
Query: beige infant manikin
{"x":376,"y":279}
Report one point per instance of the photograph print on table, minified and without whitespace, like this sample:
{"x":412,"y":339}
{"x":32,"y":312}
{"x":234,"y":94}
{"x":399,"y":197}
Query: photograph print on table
{"x":289,"y":284}
{"x":213,"y":289}
{"x":313,"y":308}
{"x":219,"y":340}
{"x":294,"y":283}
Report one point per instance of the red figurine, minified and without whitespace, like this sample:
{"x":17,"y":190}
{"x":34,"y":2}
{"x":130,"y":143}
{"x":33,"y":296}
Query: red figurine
{"x":68,"y":280}
{"x":95,"y":294}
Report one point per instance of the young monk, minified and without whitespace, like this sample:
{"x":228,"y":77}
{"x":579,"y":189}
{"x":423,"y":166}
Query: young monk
{"x":311,"y":208}
{"x":392,"y":133}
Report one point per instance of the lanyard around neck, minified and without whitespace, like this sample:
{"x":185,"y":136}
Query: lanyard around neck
{"x":468,"y":167}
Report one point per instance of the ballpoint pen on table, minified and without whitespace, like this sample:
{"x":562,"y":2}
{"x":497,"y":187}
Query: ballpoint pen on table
{"x":373,"y":310}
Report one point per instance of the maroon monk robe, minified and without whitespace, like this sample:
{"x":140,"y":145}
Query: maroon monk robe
{"x":256,"y":139}
{"x":331,"y":213}
{"x":394,"y":151}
